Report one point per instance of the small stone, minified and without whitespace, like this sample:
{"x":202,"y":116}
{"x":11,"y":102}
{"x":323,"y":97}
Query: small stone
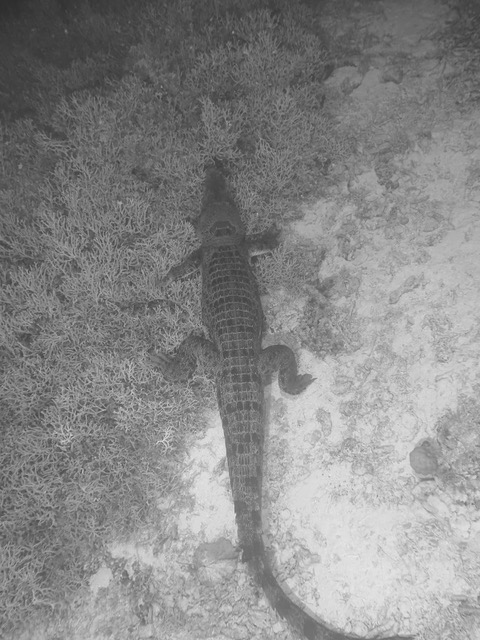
{"x":362,"y":468}
{"x":463,"y":526}
{"x":215,"y":561}
{"x":146,"y":631}
{"x":430,"y":224}
{"x":436,"y":506}
{"x":474,"y":543}
{"x":209,"y":552}
{"x":423,"y":459}
{"x":345,"y":78}
{"x":393,"y":74}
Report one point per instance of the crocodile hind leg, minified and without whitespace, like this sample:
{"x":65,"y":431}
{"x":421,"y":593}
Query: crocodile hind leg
{"x":191,"y":351}
{"x":282,"y":359}
{"x":259,"y":244}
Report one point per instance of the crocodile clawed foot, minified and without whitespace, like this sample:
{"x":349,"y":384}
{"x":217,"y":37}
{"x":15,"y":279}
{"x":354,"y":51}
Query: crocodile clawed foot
{"x":159,"y":360}
{"x":301,"y":383}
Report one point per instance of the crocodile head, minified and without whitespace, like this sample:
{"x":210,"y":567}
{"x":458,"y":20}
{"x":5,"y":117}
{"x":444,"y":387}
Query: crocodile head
{"x":220,"y":223}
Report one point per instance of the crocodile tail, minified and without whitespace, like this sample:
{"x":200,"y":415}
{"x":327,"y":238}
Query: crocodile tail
{"x":305,"y":624}
{"x":298,"y":618}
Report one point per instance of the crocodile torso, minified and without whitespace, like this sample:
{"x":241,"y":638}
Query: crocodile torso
{"x":233,"y":318}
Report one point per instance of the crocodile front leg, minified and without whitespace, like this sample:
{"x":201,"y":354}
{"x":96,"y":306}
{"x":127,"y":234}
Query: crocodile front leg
{"x":265,"y":242}
{"x":282,"y":359}
{"x":189,"y":265}
{"x":191,"y":351}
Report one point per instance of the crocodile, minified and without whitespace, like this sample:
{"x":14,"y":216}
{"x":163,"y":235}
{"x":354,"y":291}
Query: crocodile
{"x":233,"y":317}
